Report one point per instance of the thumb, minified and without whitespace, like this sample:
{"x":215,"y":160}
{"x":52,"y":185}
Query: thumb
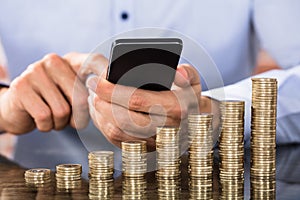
{"x":186,"y":75}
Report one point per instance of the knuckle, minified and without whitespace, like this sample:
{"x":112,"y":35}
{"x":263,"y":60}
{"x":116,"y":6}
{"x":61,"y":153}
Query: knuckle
{"x":113,"y":133}
{"x":32,"y":70}
{"x":43,"y":120}
{"x":62,"y":112}
{"x":99,"y":104}
{"x":19,"y":83}
{"x":97,"y":56}
{"x":122,"y":123}
{"x":52,"y":60}
{"x":71,"y":54}
{"x":43,"y":115}
{"x":136,"y":101}
{"x":45,"y":128}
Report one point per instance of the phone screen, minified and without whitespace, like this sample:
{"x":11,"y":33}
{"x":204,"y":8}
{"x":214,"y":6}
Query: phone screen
{"x":144,"y":63}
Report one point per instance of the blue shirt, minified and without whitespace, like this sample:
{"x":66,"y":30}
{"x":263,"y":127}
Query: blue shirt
{"x":229,"y":30}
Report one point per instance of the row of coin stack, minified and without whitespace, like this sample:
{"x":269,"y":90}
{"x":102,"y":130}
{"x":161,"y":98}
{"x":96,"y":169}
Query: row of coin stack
{"x":231,"y":152}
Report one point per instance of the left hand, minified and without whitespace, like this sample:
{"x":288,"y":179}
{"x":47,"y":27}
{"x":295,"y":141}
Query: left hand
{"x":125,"y":113}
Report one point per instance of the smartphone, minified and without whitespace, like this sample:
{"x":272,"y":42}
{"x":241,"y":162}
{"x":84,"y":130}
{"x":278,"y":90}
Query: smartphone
{"x":146,"y":63}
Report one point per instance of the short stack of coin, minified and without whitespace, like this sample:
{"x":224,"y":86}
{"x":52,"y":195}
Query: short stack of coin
{"x":231,"y":150}
{"x":101,"y":164}
{"x":200,"y":156}
{"x":134,"y":167}
{"x":168,"y":162}
{"x":68,"y":176}
{"x":263,"y":138}
{"x":37,"y":177}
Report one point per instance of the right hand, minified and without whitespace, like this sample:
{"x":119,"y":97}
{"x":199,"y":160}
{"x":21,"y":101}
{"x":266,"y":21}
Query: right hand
{"x":41,"y":97}
{"x":126,"y":113}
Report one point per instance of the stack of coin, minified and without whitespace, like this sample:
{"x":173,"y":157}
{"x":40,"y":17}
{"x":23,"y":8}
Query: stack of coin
{"x":101,"y":164}
{"x":200,"y":156}
{"x":134,"y":167}
{"x":168,"y":162}
{"x":37,"y":177}
{"x":231,"y":150}
{"x":68,"y":176}
{"x":263,"y":138}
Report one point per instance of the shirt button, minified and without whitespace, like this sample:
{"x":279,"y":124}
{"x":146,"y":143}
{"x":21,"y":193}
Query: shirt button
{"x":124,"y":16}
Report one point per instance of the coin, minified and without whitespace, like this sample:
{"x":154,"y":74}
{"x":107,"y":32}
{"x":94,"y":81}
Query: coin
{"x":263,"y":138}
{"x":37,"y":177}
{"x":200,"y":155}
{"x":68,"y":176}
{"x":134,"y":167}
{"x":231,"y":149}
{"x":168,"y":162}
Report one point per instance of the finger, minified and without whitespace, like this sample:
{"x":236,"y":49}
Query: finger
{"x":73,"y":89}
{"x":38,"y":110}
{"x":139,"y":124}
{"x":44,"y":86}
{"x":80,"y":114}
{"x":137,"y":99}
{"x":62,"y":75}
{"x":85,"y":64}
{"x":17,"y":119}
{"x":186,"y":75}
{"x":112,"y":132}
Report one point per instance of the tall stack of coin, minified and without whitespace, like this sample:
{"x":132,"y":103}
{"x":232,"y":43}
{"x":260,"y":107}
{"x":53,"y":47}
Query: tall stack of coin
{"x":134,"y":167}
{"x":68,"y":176}
{"x":263,"y":138}
{"x":231,"y":150}
{"x":101,"y":164}
{"x":37,"y":177}
{"x":200,"y":156}
{"x":168,"y":162}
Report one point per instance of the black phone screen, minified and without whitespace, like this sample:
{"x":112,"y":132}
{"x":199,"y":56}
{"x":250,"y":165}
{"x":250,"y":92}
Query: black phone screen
{"x":149,"y":65}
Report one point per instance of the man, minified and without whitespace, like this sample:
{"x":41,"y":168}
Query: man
{"x":224,"y":28}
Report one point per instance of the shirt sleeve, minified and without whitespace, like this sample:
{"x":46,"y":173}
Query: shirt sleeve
{"x":276,"y":23}
{"x":288,"y":102}
{"x":3,"y":66}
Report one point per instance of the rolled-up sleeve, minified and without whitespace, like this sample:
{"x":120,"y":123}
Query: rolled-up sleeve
{"x":288,"y":110}
{"x":277,"y":25}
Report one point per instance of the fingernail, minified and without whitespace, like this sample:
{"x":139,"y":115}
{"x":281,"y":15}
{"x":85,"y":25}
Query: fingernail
{"x":92,"y":83}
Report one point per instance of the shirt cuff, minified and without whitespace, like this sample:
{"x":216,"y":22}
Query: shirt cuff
{"x":3,"y":85}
